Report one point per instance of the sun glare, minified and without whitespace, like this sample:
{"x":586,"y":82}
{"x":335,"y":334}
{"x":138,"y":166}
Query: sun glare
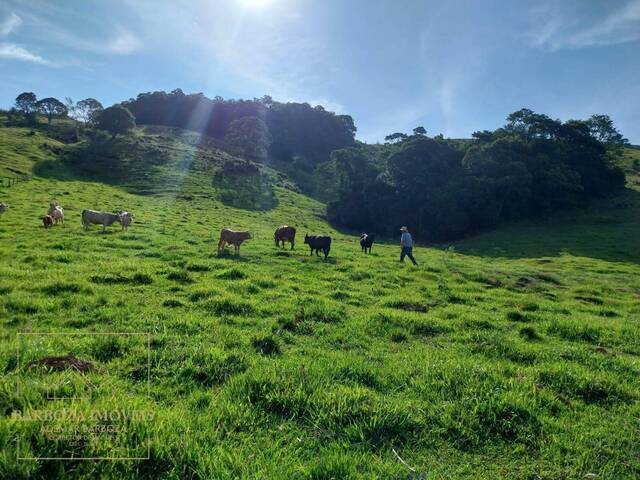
{"x":255,"y":3}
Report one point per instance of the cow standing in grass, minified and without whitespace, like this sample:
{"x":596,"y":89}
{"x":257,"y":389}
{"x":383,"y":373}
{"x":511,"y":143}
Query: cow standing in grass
{"x":366,"y":241}
{"x":317,"y":243}
{"x":283,"y":233}
{"x":56,"y":212}
{"x":106,"y":219}
{"x":228,"y":236}
{"x":3,"y":208}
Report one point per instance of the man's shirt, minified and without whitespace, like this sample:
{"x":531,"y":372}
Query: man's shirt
{"x":406,"y":240}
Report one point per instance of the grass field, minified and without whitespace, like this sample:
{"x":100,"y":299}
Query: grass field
{"x":515,"y":354}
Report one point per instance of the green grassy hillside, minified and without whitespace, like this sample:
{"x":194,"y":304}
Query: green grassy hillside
{"x":514,"y":354}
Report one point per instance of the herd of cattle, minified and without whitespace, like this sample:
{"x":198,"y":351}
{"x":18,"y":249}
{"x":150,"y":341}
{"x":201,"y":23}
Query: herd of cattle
{"x":284,"y":233}
{"x":55,"y":216}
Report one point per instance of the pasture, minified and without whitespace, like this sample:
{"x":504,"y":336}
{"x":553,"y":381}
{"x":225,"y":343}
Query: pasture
{"x":514,"y":354}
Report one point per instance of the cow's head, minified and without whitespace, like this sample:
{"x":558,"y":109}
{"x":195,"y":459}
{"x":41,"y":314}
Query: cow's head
{"x":306,"y":238}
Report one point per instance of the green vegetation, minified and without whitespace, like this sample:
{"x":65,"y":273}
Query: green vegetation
{"x":514,"y":354}
{"x":447,"y":189}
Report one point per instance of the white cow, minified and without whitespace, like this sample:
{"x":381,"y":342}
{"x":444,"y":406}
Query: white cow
{"x":106,"y":219}
{"x":57,"y":212}
{"x":125,"y":219}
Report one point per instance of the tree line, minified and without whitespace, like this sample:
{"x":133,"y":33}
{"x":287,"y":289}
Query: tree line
{"x":89,"y":112}
{"x":259,"y":129}
{"x":447,"y":189}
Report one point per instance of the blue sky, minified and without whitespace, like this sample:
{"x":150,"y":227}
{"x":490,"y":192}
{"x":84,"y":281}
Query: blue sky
{"x":453,"y":66}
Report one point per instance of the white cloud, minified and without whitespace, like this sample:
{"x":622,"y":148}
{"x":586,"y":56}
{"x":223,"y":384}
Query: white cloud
{"x":10,"y":24}
{"x":563,"y":31}
{"x":106,"y":38}
{"x":12,"y":51}
{"x":124,"y":43}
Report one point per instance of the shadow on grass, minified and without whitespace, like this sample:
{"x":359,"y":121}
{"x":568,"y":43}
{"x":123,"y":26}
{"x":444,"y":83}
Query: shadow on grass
{"x":608,"y":230}
{"x":228,"y":255}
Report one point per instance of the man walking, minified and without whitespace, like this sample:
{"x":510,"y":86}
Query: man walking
{"x":406,"y":245}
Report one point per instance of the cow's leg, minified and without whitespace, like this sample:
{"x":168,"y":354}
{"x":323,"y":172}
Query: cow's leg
{"x":291,"y":244}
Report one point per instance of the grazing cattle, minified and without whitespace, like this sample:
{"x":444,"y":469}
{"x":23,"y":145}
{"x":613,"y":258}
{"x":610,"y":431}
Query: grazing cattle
{"x":47,"y":221}
{"x":232,"y":237}
{"x":91,"y":217}
{"x":57,"y":212}
{"x":3,"y":207}
{"x":283,"y":233}
{"x":125,"y":219}
{"x":366,"y":240}
{"x":317,"y":243}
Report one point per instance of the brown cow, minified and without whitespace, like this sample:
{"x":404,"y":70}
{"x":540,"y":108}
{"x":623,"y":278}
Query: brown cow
{"x":233,"y":238}
{"x":283,"y":233}
{"x":47,"y":221}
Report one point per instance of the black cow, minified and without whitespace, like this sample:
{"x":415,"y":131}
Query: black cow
{"x":366,"y":240}
{"x":317,"y":243}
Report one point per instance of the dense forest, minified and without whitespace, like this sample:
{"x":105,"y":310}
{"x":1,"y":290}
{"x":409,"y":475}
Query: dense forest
{"x":258,"y":129}
{"x":441,"y":188}
{"x":447,"y":189}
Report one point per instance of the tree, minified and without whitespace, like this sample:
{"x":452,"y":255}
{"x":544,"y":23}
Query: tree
{"x":395,"y":137}
{"x":51,"y":107}
{"x":71,"y":106}
{"x":26,"y":103}
{"x":116,"y":119}
{"x":602,"y":129}
{"x":87,"y":110}
{"x":419,"y":131}
{"x":250,"y":137}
